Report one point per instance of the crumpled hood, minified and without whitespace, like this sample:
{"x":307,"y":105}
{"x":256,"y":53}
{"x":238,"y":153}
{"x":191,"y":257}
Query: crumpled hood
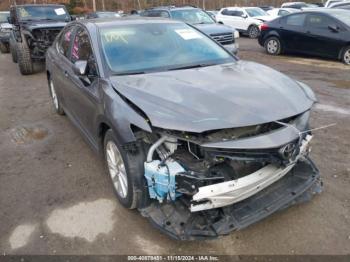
{"x":210,"y":29}
{"x":264,"y":18}
{"x":45,"y":25}
{"x":215,"y":97}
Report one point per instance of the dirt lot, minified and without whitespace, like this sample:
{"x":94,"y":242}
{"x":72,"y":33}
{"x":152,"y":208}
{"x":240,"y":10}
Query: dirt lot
{"x":55,"y":197}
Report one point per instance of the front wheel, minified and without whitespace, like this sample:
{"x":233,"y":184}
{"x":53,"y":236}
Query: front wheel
{"x":273,"y":46}
{"x":13,"y":50}
{"x":346,"y":56}
{"x":253,"y":31}
{"x":25,"y":62}
{"x":126,"y":172}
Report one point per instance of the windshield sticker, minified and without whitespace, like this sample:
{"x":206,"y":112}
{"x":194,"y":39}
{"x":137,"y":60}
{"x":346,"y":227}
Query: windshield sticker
{"x":60,"y":11}
{"x":120,"y":36}
{"x":188,"y":34}
{"x":23,"y":13}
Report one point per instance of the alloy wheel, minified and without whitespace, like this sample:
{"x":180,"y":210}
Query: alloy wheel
{"x":272,"y":46}
{"x":347,"y":57}
{"x":116,"y":169}
{"x":253,"y":32}
{"x":54,"y":95}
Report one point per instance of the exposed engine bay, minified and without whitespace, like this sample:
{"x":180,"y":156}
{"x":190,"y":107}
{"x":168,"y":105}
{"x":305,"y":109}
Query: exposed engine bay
{"x":196,"y":185}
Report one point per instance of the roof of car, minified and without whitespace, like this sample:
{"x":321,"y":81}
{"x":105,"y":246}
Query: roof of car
{"x":326,"y":10}
{"x":105,"y":22}
{"x":172,"y":8}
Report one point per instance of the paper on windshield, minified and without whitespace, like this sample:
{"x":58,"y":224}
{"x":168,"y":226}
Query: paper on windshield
{"x":188,"y":34}
{"x":60,"y":11}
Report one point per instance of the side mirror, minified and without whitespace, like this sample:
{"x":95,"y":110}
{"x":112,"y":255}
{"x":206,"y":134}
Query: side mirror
{"x":80,"y":67}
{"x":333,"y":28}
{"x":244,"y":16}
{"x":231,"y":49}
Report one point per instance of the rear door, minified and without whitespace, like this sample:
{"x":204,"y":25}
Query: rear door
{"x":320,"y":38}
{"x":292,"y":32}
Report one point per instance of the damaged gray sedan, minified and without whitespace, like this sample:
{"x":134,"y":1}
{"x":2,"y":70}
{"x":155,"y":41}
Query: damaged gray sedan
{"x":198,"y":141}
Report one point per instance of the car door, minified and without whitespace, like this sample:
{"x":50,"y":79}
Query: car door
{"x":321,"y":38}
{"x":292,"y":32}
{"x":60,"y":63}
{"x":84,"y":97}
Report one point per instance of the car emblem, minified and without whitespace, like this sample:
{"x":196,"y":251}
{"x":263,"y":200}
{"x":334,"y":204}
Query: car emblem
{"x":287,"y":151}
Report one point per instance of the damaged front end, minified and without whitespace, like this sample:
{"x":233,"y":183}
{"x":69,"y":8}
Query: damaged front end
{"x":209,"y":184}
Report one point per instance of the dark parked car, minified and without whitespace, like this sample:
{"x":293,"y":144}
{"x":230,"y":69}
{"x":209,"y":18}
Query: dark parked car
{"x":5,"y":30}
{"x":200,"y":142}
{"x":35,"y":29}
{"x":323,"y":33}
{"x":102,"y":14}
{"x":225,"y":35}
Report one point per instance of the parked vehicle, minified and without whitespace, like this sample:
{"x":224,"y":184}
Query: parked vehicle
{"x":341,"y":5}
{"x":266,"y":7}
{"x":277,"y":12}
{"x":102,"y":14}
{"x":200,"y":142}
{"x":35,"y":29}
{"x":329,"y":2}
{"x":295,"y":5}
{"x":225,"y":35}
{"x":212,"y":14}
{"x":5,"y":30}
{"x":325,"y":32}
{"x":245,"y":19}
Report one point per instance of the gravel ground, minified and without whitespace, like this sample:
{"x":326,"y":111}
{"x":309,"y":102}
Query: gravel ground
{"x":55,"y":197}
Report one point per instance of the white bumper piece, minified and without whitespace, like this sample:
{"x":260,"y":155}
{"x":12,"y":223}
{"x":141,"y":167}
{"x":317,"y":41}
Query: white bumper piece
{"x":228,"y":193}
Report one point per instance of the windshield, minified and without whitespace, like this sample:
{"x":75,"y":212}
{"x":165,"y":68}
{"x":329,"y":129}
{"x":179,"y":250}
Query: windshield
{"x":30,"y":13}
{"x":252,"y":12}
{"x":164,"y":47}
{"x":3,"y":17}
{"x":192,"y":16}
{"x":343,"y":16}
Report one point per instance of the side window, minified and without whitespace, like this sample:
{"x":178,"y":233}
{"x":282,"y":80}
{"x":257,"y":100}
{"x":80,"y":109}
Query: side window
{"x":225,"y":12}
{"x":64,"y":41}
{"x":317,"y":21}
{"x":239,"y":13}
{"x":296,"y":20}
{"x":283,"y":12}
{"x":82,"y":50}
{"x":164,"y":14}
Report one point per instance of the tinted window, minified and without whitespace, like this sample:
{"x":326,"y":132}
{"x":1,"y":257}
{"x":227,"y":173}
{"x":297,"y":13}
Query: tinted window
{"x":319,"y":21}
{"x":64,"y":41}
{"x":82,"y":50}
{"x":232,"y":12}
{"x":253,"y":12}
{"x":165,"y":47}
{"x":157,"y":13}
{"x":296,"y":20}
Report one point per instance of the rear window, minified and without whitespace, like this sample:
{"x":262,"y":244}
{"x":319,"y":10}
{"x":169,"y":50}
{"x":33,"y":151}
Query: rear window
{"x":295,"y":20}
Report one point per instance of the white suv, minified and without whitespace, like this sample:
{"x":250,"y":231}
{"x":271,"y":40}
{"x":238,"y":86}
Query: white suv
{"x":245,"y":19}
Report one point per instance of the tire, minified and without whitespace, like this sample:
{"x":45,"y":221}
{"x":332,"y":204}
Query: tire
{"x":13,"y":50}
{"x":55,"y":99}
{"x":346,"y":55}
{"x":253,"y":32}
{"x":135,"y":192}
{"x":25,"y":62}
{"x":273,"y":46}
{"x":4,"y":49}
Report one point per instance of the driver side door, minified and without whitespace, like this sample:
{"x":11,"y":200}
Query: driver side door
{"x":82,"y":90}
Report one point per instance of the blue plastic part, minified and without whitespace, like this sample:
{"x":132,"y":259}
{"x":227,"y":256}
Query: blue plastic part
{"x":161,"y":179}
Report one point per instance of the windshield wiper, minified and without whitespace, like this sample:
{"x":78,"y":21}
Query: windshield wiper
{"x":129,"y":73}
{"x":191,"y":66}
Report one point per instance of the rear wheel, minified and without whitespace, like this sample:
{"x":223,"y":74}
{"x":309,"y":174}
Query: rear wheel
{"x":25,"y":62}
{"x":13,"y":50}
{"x":4,"y":49}
{"x":273,"y":46}
{"x":253,"y":31}
{"x":346,"y":55}
{"x":126,"y":172}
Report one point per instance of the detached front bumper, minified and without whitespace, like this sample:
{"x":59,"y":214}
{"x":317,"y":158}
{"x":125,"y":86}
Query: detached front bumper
{"x":300,"y":183}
